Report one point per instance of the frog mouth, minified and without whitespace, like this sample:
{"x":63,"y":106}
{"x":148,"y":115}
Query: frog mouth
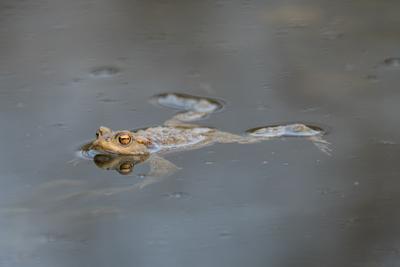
{"x":100,"y":150}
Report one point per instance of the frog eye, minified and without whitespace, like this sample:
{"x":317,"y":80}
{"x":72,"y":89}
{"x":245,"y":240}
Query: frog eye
{"x":97,"y":134}
{"x":124,"y":139}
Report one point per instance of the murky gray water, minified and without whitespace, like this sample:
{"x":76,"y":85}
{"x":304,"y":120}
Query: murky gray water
{"x":68,"y":67}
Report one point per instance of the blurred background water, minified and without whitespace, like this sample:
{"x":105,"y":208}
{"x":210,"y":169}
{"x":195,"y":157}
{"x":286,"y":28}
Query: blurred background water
{"x":68,"y":67}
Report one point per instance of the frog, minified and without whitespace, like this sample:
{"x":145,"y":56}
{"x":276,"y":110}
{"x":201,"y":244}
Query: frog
{"x":121,"y":150}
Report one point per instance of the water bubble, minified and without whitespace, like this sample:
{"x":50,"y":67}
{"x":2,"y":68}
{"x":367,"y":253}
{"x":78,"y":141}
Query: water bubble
{"x":262,"y":107}
{"x":311,"y":109}
{"x":178,"y":195}
{"x":393,"y":62}
{"x":386,"y":142}
{"x":109,"y":100}
{"x":225,"y":234}
{"x":372,"y":77}
{"x":141,"y":175}
{"x":77,"y":80}
{"x":332,"y":35}
{"x":104,"y":71}
{"x":58,"y":125}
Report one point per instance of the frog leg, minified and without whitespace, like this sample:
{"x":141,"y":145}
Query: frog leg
{"x":312,"y":133}
{"x":160,"y":168}
{"x":193,"y":108}
{"x":181,"y":119}
{"x":226,"y":138}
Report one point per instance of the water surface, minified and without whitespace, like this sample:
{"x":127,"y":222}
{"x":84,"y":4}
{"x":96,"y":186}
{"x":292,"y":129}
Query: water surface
{"x":68,"y":67}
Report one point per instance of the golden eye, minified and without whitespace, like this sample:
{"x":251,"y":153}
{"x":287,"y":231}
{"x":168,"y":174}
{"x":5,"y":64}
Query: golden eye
{"x":124,"y":139}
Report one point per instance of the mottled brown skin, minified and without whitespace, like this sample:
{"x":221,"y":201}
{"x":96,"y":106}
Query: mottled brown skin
{"x":158,"y":139}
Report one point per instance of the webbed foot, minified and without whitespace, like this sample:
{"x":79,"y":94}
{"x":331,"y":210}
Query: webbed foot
{"x":313,"y":133}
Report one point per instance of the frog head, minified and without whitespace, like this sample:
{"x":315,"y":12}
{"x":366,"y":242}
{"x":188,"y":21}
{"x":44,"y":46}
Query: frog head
{"x":120,"y":142}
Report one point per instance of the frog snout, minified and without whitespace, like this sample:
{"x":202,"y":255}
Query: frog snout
{"x":95,"y":144}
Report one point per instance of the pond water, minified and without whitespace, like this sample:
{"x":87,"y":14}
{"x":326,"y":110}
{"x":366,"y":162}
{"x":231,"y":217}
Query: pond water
{"x":68,"y":67}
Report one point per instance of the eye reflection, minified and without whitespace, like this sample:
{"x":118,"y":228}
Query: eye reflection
{"x":125,"y":168}
{"x":123,"y":164}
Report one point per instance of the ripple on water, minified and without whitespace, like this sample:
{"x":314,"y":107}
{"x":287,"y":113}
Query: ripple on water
{"x":104,"y":71}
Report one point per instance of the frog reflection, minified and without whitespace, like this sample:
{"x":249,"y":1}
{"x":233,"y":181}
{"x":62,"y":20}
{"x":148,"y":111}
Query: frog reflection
{"x":123,"y":164}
